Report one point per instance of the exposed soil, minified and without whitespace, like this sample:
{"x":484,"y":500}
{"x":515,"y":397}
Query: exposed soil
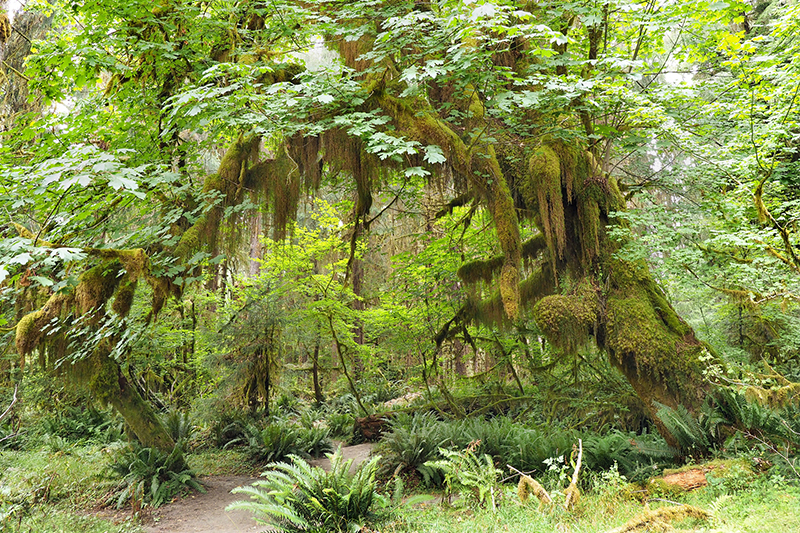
{"x":205,"y":513}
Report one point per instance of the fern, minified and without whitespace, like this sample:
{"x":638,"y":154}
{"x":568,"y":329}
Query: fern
{"x":296,"y":497}
{"x":150,"y":476}
{"x":686,"y":430}
{"x":469,"y":474}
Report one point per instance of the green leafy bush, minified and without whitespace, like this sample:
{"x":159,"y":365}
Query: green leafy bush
{"x":82,"y":425}
{"x":277,"y":442}
{"x":340,"y":424}
{"x":412,"y":442}
{"x":315,"y":441}
{"x":296,"y":497}
{"x":178,"y":425}
{"x":471,"y":475}
{"x":150,"y":476}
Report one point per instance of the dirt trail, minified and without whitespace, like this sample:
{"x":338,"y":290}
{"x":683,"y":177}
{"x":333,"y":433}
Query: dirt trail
{"x":205,"y":513}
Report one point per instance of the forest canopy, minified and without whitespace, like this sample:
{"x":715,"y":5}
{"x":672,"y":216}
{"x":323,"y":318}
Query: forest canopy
{"x":542,"y":200}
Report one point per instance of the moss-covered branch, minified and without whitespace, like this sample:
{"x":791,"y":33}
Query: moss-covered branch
{"x":478,"y":163}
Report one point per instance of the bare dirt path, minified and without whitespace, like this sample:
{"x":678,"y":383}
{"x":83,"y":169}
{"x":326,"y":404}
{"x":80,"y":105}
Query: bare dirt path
{"x":205,"y":513}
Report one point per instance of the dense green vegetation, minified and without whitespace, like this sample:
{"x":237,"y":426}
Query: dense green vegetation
{"x":503,"y":239}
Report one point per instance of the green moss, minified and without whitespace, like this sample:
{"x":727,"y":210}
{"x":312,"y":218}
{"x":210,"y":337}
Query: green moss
{"x":509,"y":290}
{"x":97,"y":285}
{"x":135,"y":261}
{"x":775,"y":398}
{"x":484,"y":271}
{"x":123,"y":299}
{"x":28,"y":332}
{"x":568,"y":320}
{"x":542,"y":187}
{"x":29,"y":329}
{"x":104,"y":378}
{"x":191,"y":239}
{"x":635,"y":328}
{"x":665,"y":310}
{"x":589,"y":220}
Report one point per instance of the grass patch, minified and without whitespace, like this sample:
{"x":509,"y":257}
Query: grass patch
{"x":55,"y":491}
{"x":215,"y":462}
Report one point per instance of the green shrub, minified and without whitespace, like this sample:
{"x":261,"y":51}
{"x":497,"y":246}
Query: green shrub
{"x":296,"y":497}
{"x":340,"y":424}
{"x":315,"y":441}
{"x":413,"y":441}
{"x":470,"y":475}
{"x":150,"y":476}
{"x":178,"y":426}
{"x":82,"y":425}
{"x":277,"y":442}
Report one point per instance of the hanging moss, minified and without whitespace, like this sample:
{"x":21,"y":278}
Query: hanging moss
{"x":532,"y":248}
{"x":478,"y":163}
{"x":589,"y":220}
{"x":484,"y":271}
{"x":306,"y":151}
{"x":5,"y":28}
{"x":568,"y":320}
{"x":352,"y":50}
{"x":542,"y":187}
{"x":509,"y":290}
{"x":29,"y":329}
{"x":97,"y":285}
{"x":123,"y":299}
{"x":135,"y":261}
{"x":568,"y":156}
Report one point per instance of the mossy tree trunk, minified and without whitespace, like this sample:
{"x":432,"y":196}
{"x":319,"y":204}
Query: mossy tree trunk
{"x":82,"y":314}
{"x":110,"y":384}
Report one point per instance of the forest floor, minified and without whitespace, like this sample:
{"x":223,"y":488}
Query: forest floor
{"x":205,"y":513}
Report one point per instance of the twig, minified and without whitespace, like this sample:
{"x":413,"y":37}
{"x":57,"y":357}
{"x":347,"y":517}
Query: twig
{"x":13,"y":401}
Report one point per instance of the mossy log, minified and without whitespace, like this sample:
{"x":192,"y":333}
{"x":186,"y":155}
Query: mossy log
{"x":659,"y":519}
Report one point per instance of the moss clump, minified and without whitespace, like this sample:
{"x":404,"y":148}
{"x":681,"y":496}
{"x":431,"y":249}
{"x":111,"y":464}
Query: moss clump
{"x":135,"y":261}
{"x":528,"y":486}
{"x":589,"y":220}
{"x":542,"y":187}
{"x":22,"y":231}
{"x":5,"y":27}
{"x":123,"y":299}
{"x":29,"y":328}
{"x":509,"y":290}
{"x":104,"y":378}
{"x":659,"y":519}
{"x":191,"y":239}
{"x":775,"y":398}
{"x":569,"y":319}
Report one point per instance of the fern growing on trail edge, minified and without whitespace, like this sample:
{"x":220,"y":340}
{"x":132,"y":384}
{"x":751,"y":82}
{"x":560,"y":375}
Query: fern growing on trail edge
{"x":296,"y":497}
{"x":150,"y":476}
